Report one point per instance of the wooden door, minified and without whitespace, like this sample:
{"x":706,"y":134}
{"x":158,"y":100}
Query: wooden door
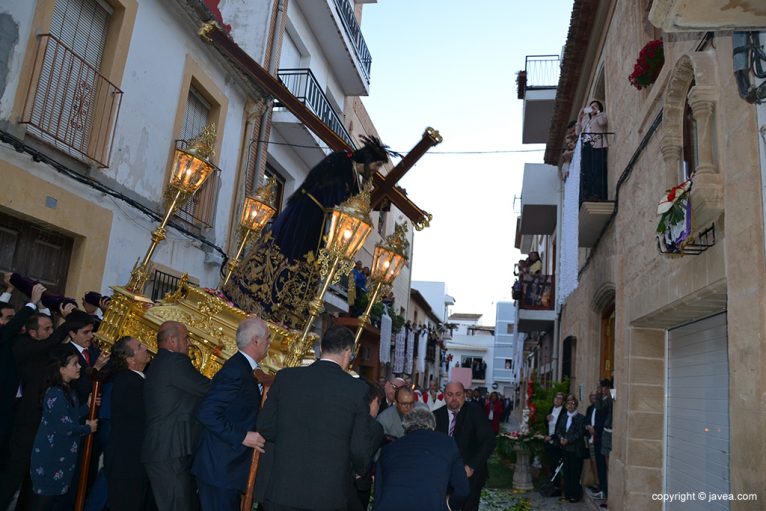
{"x":607,"y":343}
{"x":35,"y":251}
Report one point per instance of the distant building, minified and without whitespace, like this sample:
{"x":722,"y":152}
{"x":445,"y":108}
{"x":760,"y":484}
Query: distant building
{"x":472,"y":346}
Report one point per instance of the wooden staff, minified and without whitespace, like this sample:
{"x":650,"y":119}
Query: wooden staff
{"x":247,"y":500}
{"x":87,"y":449}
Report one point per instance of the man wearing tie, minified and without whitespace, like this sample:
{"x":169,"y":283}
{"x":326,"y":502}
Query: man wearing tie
{"x":228,"y":413}
{"x":474,"y":437}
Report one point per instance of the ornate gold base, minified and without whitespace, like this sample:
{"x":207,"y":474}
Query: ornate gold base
{"x":212,"y":324}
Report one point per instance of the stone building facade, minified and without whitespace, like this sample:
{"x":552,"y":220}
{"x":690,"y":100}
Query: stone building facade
{"x":682,"y":337}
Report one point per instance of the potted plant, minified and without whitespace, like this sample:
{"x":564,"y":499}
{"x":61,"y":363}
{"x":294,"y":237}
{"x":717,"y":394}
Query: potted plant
{"x":648,"y":65}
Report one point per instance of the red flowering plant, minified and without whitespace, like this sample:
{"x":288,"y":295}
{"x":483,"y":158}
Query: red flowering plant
{"x":648,"y":65}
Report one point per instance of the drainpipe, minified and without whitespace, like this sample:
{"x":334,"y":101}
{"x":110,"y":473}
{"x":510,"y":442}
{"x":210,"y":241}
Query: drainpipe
{"x":260,"y":151}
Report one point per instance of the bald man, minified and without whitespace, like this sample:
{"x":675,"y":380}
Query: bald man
{"x":475,"y":440}
{"x":172,"y":392}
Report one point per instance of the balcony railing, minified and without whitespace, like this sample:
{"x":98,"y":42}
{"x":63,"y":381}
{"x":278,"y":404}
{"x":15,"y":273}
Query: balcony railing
{"x":346,"y":13}
{"x":542,"y":71}
{"x":537,"y":292}
{"x":161,"y":284}
{"x":304,"y":86}
{"x":69,"y":104}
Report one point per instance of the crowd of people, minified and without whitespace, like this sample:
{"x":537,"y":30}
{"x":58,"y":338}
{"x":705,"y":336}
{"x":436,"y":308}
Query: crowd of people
{"x":166,"y":437}
{"x":573,"y":437}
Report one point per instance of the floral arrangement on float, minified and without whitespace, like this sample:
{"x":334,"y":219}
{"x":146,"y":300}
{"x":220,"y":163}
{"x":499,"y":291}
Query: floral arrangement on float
{"x":648,"y":65}
{"x":675,"y":225}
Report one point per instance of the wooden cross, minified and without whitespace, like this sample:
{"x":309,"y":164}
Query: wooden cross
{"x":386,"y":191}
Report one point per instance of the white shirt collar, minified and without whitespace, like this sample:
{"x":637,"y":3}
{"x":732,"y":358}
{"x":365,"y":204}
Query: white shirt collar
{"x":79,"y":348}
{"x":253,"y":364}
{"x":142,"y":375}
{"x":330,"y":360}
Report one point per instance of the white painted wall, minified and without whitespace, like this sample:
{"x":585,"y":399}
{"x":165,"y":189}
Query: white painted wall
{"x":161,"y":40}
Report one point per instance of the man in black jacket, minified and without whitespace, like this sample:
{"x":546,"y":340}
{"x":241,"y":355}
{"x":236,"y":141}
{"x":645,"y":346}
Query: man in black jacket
{"x":30,"y":352}
{"x":126,"y":477}
{"x":473,"y":434}
{"x":319,"y":423}
{"x":11,"y":324}
{"x":172,"y":392}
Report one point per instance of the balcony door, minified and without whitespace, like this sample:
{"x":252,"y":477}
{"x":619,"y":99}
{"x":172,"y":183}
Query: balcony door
{"x":71,"y":59}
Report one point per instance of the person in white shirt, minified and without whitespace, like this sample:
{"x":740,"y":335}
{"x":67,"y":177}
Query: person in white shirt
{"x":552,"y":448}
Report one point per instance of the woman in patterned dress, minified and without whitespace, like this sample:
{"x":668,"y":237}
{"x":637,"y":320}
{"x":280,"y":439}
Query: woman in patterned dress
{"x":54,"y":452}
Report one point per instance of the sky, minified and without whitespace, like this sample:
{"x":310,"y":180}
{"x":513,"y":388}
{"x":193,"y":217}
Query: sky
{"x":451,"y":65}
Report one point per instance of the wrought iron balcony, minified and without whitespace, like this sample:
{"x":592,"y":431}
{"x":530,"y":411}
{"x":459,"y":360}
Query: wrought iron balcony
{"x":69,"y":104}
{"x":303,"y":85}
{"x":537,"y":292}
{"x":346,"y":13}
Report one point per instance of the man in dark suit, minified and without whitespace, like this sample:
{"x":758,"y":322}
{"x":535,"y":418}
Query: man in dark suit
{"x":473,"y":434}
{"x":128,"y":484}
{"x":554,"y":419}
{"x":11,"y":323}
{"x":416,"y":471}
{"x":30,"y":353}
{"x":172,"y":392}
{"x":318,"y":420}
{"x":80,"y":333}
{"x":228,"y":413}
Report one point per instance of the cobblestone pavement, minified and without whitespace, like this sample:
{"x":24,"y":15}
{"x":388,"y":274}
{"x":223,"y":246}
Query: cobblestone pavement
{"x":503,"y":500}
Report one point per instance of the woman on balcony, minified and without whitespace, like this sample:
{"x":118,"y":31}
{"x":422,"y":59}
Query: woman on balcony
{"x":591,"y":128}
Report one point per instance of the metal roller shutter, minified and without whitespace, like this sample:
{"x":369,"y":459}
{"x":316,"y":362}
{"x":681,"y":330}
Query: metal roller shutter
{"x":697,"y":447}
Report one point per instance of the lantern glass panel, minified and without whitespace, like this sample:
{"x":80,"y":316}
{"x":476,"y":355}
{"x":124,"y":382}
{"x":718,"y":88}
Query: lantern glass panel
{"x":347,"y":234}
{"x":189,"y":171}
{"x":255,"y":214}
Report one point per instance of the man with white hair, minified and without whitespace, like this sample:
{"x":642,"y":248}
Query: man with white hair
{"x":228,"y":413}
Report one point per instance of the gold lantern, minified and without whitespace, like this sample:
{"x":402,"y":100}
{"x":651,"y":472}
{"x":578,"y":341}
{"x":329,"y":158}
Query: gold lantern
{"x":350,"y":226}
{"x":387,"y":262}
{"x":256,"y":212}
{"x":191,"y":167}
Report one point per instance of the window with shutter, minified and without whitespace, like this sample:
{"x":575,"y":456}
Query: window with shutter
{"x":70,"y":104}
{"x":199,"y":210}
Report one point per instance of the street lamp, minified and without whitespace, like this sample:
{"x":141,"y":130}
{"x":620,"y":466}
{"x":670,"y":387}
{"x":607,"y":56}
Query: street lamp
{"x":350,"y":226}
{"x":256,"y":212}
{"x":191,"y":167}
{"x":387,"y":262}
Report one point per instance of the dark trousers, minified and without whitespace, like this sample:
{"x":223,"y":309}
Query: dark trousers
{"x":572,"y":474}
{"x":213,"y":498}
{"x":601,"y":466}
{"x":475,"y":483}
{"x":172,"y":484}
{"x":593,"y":185}
{"x":553,"y":453}
{"x":15,"y":474}
{"x":129,"y":494}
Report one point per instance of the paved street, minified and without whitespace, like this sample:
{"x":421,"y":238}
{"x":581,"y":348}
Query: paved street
{"x":503,"y":499}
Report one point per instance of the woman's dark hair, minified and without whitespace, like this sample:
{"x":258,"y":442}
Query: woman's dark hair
{"x":372,"y":150}
{"x":599,"y":103}
{"x":58,"y":357}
